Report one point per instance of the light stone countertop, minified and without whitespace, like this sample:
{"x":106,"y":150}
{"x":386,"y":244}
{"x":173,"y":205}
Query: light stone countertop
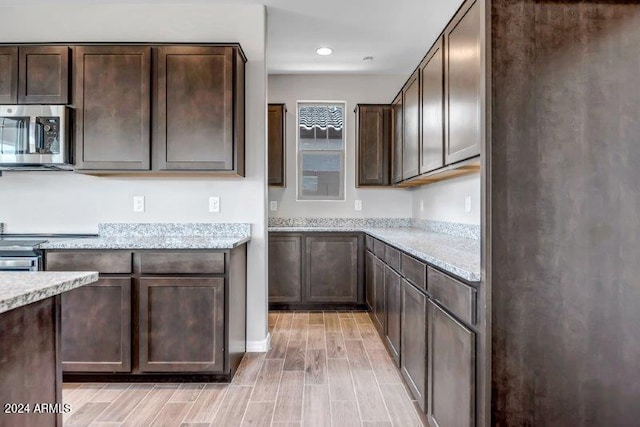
{"x":18,"y":289}
{"x":458,"y":256}
{"x":151,"y":242}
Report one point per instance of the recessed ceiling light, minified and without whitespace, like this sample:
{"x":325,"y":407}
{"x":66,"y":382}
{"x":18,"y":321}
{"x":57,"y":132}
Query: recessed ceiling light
{"x":324,"y":51}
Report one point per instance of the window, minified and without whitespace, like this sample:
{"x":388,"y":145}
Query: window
{"x":321,"y":150}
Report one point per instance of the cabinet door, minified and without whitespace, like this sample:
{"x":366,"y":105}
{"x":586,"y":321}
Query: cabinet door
{"x":432,"y":106}
{"x":379,"y":296}
{"x":393,"y":304}
{"x":369,"y":279}
{"x":8,"y":74}
{"x":96,"y":327}
{"x":373,"y":157}
{"x":276,"y":144}
{"x":112,"y":107}
{"x":411,"y":127}
{"x":413,"y":342}
{"x":285,"y":268}
{"x":451,"y":371}
{"x":44,"y":75}
{"x":181,"y":324}
{"x":332,"y":264}
{"x":195,"y":108}
{"x":463,"y":81}
{"x":397,"y":139}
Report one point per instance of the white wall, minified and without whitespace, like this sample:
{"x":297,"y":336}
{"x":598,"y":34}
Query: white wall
{"x":47,"y":202}
{"x":353,"y":89}
{"x":444,"y":201}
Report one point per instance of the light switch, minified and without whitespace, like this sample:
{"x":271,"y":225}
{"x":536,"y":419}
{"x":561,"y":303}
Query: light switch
{"x":421,"y":205}
{"x":214,"y":204}
{"x":273,"y":205}
{"x":358,"y":205}
{"x":138,"y":203}
{"x":467,"y":204}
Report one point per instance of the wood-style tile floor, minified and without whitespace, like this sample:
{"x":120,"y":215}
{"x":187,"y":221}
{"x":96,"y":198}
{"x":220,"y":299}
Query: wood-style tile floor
{"x":324,"y":369}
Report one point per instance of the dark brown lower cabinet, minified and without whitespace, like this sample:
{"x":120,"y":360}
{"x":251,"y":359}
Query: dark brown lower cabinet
{"x":413,"y":342}
{"x":331,"y":268}
{"x":379,"y":316}
{"x":285,"y":268}
{"x":96,"y":327}
{"x":452,"y":352}
{"x":393,"y":306}
{"x":181,"y":324}
{"x":369,"y":279}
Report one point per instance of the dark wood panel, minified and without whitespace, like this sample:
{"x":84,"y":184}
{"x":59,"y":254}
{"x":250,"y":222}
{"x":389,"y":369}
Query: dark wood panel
{"x":565,"y":212}
{"x":452,"y":373}
{"x":379,"y":294}
{"x":168,"y":262}
{"x":463,"y":82}
{"x":393,"y":311}
{"x":276,"y":144}
{"x":392,"y":257}
{"x":378,"y":248}
{"x":373,"y":145}
{"x":29,"y":365}
{"x":458,"y":298}
{"x":411,"y":127}
{"x":44,"y":75}
{"x":415,"y":271}
{"x":397,"y":139}
{"x":102,"y":261}
{"x":369,"y":277}
{"x":432,"y":109}
{"x":413,"y":342}
{"x":194,"y":127}
{"x":112,"y":91}
{"x":285,"y":268}
{"x":181,"y":324}
{"x":96,"y":327}
{"x":8,"y":74}
{"x":331,"y":264}
{"x":368,"y":241}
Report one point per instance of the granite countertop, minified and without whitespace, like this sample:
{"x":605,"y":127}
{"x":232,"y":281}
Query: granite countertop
{"x":456,"y":255}
{"x":151,"y":242}
{"x":159,"y":236}
{"x":18,"y":289}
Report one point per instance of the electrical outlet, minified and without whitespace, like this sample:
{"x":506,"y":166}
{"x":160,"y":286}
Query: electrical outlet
{"x":214,"y":204}
{"x":358,"y":205}
{"x":421,"y":205}
{"x":273,"y":205}
{"x":467,"y":204}
{"x":138,"y":203}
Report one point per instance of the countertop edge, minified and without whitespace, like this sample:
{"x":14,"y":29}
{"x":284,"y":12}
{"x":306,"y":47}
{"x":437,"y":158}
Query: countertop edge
{"x":34,"y":295}
{"x":109,"y":243}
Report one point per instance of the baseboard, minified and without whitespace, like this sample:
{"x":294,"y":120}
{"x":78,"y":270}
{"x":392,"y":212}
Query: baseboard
{"x":261,"y":346}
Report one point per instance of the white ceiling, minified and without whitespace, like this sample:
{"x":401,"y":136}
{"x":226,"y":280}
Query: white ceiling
{"x":396,"y":33}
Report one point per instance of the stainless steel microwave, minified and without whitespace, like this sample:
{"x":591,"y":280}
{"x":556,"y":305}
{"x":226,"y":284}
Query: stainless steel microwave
{"x":35,"y":137}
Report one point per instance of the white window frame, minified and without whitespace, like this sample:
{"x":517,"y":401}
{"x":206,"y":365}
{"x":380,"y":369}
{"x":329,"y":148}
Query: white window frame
{"x":344,"y":150}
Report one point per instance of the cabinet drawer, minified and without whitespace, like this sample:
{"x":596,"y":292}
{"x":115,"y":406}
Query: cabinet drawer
{"x":378,"y":248}
{"x":181,"y":262}
{"x":368,"y":241}
{"x":392,"y":257}
{"x":456,"y":297}
{"x":105,"y":262}
{"x":414,"y":270}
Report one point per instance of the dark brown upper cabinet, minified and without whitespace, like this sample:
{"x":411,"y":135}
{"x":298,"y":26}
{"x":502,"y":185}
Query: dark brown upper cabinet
{"x":373,"y":145}
{"x":277,"y":146}
{"x":411,"y":127}
{"x":432,"y":109}
{"x":112,"y":99}
{"x":43,"y":75}
{"x":463,"y":84}
{"x":199,"y":109}
{"x":8,"y":74}
{"x":396,"y":106}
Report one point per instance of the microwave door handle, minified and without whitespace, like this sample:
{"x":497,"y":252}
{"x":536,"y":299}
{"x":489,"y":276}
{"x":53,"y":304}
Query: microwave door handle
{"x":39,"y":136}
